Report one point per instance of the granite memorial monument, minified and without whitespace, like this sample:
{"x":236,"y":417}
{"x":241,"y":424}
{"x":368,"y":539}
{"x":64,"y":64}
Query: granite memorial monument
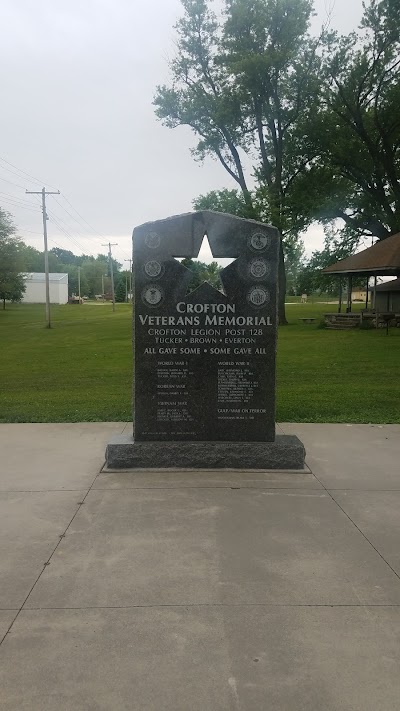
{"x":204,"y":374}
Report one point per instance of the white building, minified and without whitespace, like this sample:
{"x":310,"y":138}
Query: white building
{"x":35,"y":292}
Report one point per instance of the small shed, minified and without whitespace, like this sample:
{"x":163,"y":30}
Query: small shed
{"x":359,"y":295}
{"x":35,"y":292}
{"x":387,"y":296}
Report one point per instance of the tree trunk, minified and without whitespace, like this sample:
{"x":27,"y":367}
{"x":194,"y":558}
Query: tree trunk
{"x":4,"y":304}
{"x":281,"y":287}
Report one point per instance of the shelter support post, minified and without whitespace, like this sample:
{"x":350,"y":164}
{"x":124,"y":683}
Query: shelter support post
{"x":349,"y":291}
{"x":367,"y":296}
{"x":340,"y":296}
{"x":388,"y":310}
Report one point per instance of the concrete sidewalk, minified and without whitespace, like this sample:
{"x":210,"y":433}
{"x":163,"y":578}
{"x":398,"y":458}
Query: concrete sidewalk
{"x":199,"y":591}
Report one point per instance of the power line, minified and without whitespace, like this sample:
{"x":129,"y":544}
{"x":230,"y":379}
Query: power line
{"x":11,"y":183}
{"x":24,"y":172}
{"x":74,"y":218}
{"x":33,"y":232}
{"x":85,"y":221}
{"x":37,"y":236}
{"x":56,"y":243}
{"x":14,"y":198}
{"x":126,"y":258}
{"x":66,"y":233}
{"x":37,"y":180}
{"x":66,"y":227}
{"x":87,"y":238}
{"x":15,"y":204}
{"x":18,"y":175}
{"x":80,"y":223}
{"x":19,"y":204}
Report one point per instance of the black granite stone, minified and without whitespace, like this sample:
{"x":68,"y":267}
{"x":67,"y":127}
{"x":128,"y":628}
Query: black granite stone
{"x":287,"y":452}
{"x":205,"y":360}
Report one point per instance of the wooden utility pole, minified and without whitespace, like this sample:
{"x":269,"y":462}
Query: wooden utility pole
{"x":79,"y":284}
{"x":130,"y":278}
{"x":43,"y":192}
{"x":109,"y":245}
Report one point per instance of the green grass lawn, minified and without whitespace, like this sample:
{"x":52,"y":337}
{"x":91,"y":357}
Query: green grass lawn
{"x":81,"y":369}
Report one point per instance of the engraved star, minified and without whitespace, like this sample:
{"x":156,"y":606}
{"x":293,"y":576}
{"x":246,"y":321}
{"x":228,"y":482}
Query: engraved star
{"x":211,"y":274}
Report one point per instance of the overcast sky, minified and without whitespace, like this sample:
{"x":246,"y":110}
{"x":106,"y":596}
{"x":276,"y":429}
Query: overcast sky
{"x":77,"y":81}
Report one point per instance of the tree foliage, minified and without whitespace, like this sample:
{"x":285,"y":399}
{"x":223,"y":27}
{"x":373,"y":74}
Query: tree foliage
{"x":310,"y":278}
{"x":12,"y":285}
{"x":243,"y":82}
{"x":228,"y":201}
{"x":34,"y":259}
{"x":315,"y":121}
{"x":121,"y":289}
{"x":294,"y":259}
{"x":355,"y":129}
{"x":202,"y":272}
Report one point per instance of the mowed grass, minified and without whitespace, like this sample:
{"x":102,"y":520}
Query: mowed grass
{"x":81,"y":369}
{"x":336,"y":376}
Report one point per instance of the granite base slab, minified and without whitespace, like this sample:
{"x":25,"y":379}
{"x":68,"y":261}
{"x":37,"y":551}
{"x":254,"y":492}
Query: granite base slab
{"x":287,"y":452}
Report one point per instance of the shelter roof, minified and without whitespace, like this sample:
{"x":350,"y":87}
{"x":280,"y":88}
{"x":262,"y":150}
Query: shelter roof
{"x":382,"y":258}
{"x":393,"y":285}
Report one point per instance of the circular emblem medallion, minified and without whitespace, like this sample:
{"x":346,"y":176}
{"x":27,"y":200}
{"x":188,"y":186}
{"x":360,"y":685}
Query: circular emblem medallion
{"x":259,"y":241}
{"x":258,"y":296}
{"x":152,"y":295}
{"x":258,"y":268}
{"x":153,"y":240}
{"x":153,"y":269}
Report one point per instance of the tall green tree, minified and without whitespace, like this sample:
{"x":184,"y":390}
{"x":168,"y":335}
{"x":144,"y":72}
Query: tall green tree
{"x":95,"y":270}
{"x":121,"y":289}
{"x":310,"y":277}
{"x":65,"y":256}
{"x":12,"y":285}
{"x":73,"y":279}
{"x":34,"y":259}
{"x":229,"y":201}
{"x":355,"y":128}
{"x":244,"y":83}
{"x":294,"y":260}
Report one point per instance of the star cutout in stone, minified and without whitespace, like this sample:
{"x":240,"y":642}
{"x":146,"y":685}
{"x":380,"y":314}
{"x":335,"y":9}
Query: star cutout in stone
{"x":212,"y":276}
